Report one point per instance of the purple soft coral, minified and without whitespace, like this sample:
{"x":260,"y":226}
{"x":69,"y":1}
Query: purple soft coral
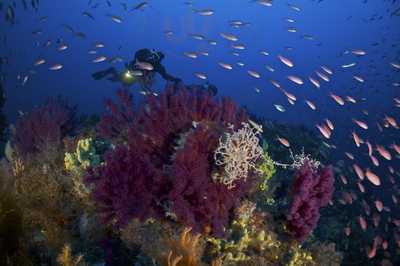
{"x":43,"y":126}
{"x":167,"y":165}
{"x":311,"y":190}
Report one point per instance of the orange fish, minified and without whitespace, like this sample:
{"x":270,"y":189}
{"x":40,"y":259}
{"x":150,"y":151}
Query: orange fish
{"x":396,"y":148}
{"x":344,"y":179}
{"x":285,"y":61}
{"x":361,"y":124}
{"x":351,"y":99}
{"x":373,"y":178}
{"x":337,"y":99}
{"x":284,"y":142}
{"x":374,"y":160}
{"x":383,"y":152}
{"x":325,"y":131}
{"x":359,"y":171}
{"x":311,"y":105}
{"x":379,"y":205}
{"x":361,"y":187}
{"x":357,"y":139}
{"x":363,"y":223}
{"x":329,"y":124}
{"x":315,"y":82}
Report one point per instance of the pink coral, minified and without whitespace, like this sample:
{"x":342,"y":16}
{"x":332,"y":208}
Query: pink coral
{"x":311,"y":190}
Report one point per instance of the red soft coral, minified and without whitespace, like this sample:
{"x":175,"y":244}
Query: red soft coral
{"x":168,"y":163}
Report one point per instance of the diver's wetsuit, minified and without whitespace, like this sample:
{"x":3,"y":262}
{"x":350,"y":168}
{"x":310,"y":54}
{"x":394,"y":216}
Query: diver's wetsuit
{"x":142,"y":55}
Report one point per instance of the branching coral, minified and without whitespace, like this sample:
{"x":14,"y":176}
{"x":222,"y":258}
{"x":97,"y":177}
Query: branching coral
{"x":114,"y":125}
{"x":43,"y":127}
{"x":65,"y":258}
{"x":86,"y":155}
{"x":45,"y":198}
{"x":238,"y":153}
{"x":311,"y":190}
{"x":166,"y":167}
{"x":301,"y":258}
{"x":185,"y":251}
{"x":245,"y":239}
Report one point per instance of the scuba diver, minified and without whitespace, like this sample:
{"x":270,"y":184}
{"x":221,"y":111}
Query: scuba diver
{"x":141,"y":69}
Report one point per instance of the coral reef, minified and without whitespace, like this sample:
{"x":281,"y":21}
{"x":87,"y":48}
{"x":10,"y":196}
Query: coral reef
{"x":311,"y":189}
{"x":166,"y":168}
{"x":43,"y":127}
{"x":180,"y":181}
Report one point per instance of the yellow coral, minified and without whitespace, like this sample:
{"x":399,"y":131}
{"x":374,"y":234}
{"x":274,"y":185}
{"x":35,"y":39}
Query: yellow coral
{"x":65,"y":258}
{"x":184,"y":251}
{"x":301,"y":257}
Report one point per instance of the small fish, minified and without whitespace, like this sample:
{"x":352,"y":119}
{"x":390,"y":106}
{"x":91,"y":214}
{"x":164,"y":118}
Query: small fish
{"x":204,"y":12}
{"x":87,"y":14}
{"x":329,"y":124}
{"x":311,"y":105}
{"x":349,"y":65}
{"x":99,"y":45}
{"x":270,"y":69}
{"x":327,"y":70}
{"x":229,"y":37}
{"x":315,"y":82}
{"x":280,"y":108}
{"x":395,"y":65}
{"x":285,"y":61}
{"x":254,"y":74}
{"x":241,"y":64}
{"x":357,"y":139}
{"x":200,"y":75}
{"x":99,"y":59}
{"x":198,"y":37}
{"x":322,"y":76}
{"x":295,"y":79}
{"x":284,"y":142}
{"x":140,"y":6}
{"x":358,"y":78}
{"x":56,"y":67}
{"x":264,"y":53}
{"x":225,"y":65}
{"x":363,"y":223}
{"x":39,"y":62}
{"x":325,"y":131}
{"x":361,"y":124}
{"x":238,"y":46}
{"x":349,"y":155}
{"x":383,"y":152}
{"x":373,"y":178}
{"x":62,"y":47}
{"x":358,"y":52}
{"x":295,"y":8}
{"x":350,"y":99}
{"x":337,"y":99}
{"x":192,"y":55}
{"x":116,"y":18}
